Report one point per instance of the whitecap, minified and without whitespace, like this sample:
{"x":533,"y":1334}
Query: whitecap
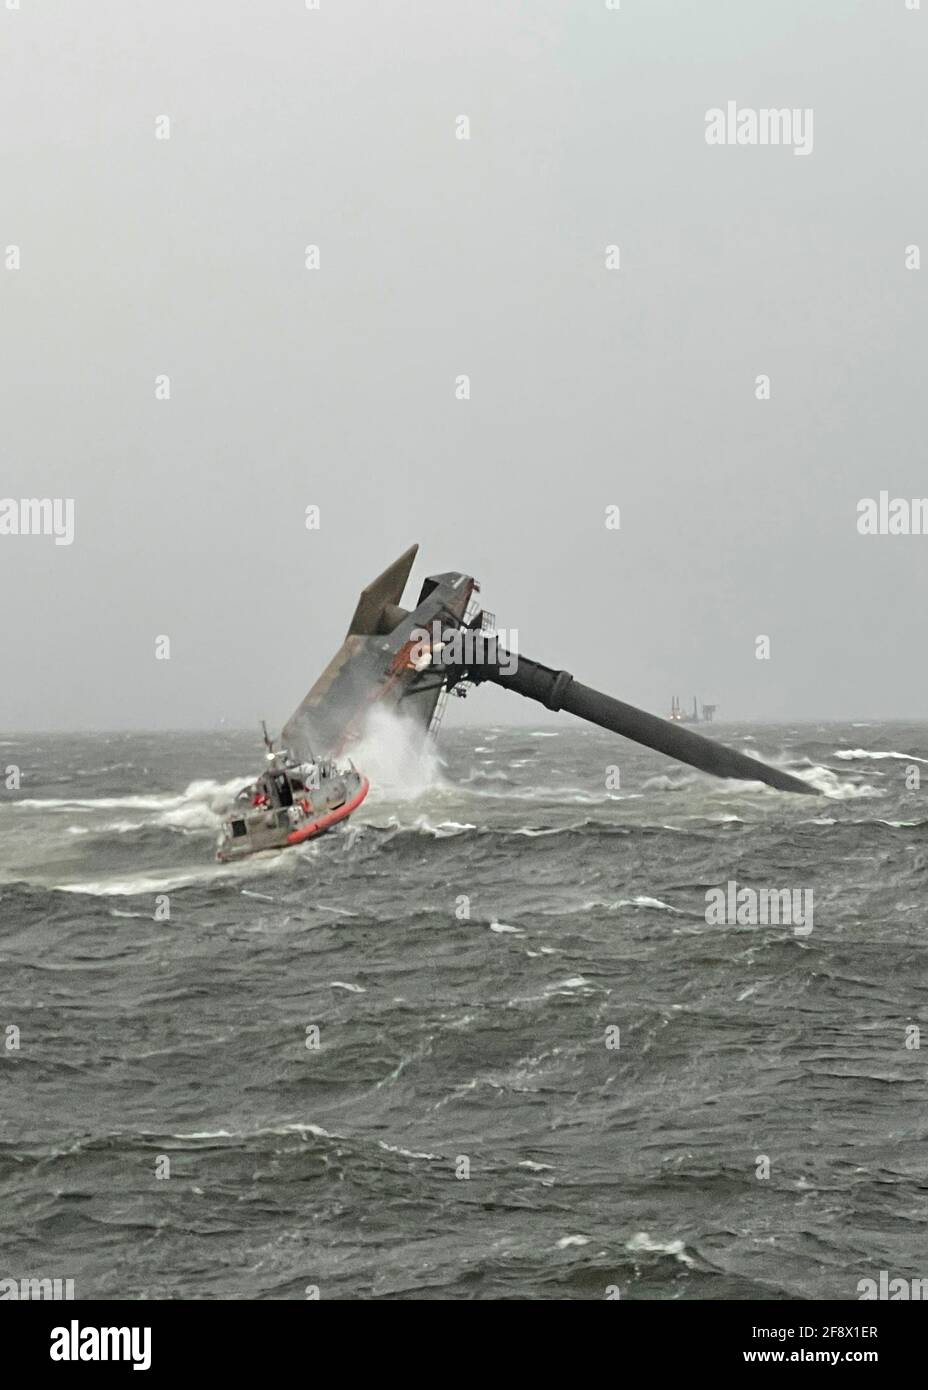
{"x":565,"y":986}
{"x":859,"y":754}
{"x":643,"y":1242}
{"x":405,"y":1153}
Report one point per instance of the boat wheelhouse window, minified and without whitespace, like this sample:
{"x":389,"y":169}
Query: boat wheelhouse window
{"x":239,"y":829}
{"x":284,"y":795}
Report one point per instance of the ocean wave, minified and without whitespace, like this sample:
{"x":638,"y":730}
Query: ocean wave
{"x":270,"y":861}
{"x":685,"y":781}
{"x":579,"y":796}
{"x":405,"y":1153}
{"x":862,"y":754}
{"x":869,"y":821}
{"x":829,"y":784}
{"x":114,"y":827}
{"x":201,"y":793}
{"x":442,"y":830}
{"x":396,"y":836}
{"x":643,"y":900}
{"x":576,"y":982}
{"x":118,"y":1139}
{"x":642,"y":1242}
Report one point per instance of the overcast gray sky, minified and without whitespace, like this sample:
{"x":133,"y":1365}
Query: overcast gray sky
{"x":441,"y":257}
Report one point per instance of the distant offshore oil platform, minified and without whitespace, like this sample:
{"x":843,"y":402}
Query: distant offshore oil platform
{"x":678,"y":715}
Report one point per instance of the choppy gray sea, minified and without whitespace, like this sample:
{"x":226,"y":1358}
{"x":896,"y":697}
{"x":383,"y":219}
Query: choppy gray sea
{"x":466,"y":948}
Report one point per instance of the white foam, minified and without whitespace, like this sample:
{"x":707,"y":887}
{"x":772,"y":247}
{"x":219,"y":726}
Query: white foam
{"x":641,"y":901}
{"x":405,"y":1153}
{"x":643,"y":1242}
{"x":860,"y":754}
{"x":316,"y":1130}
{"x":269,"y":861}
{"x":644,"y":901}
{"x":205,"y":792}
{"x":575,"y":982}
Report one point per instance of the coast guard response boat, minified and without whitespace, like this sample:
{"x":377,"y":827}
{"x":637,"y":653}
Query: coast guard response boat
{"x":290,"y":802}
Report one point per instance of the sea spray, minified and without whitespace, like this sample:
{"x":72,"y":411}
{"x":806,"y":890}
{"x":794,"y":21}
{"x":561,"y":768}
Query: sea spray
{"x":400,"y":763}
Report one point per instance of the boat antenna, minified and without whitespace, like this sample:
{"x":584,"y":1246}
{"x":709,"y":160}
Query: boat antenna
{"x":268,"y":741}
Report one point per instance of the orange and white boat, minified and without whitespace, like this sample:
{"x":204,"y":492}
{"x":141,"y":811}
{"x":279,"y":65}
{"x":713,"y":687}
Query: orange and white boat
{"x":289,"y":803}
